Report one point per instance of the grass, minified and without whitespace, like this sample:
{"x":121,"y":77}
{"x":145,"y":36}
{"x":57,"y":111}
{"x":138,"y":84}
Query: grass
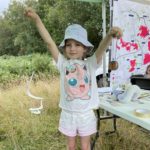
{"x":21,"y":130}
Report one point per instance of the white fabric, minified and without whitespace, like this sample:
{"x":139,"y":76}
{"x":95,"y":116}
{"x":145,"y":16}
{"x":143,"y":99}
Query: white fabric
{"x":74,"y":123}
{"x":78,"y":102}
{"x":133,"y":51}
{"x":133,"y":92}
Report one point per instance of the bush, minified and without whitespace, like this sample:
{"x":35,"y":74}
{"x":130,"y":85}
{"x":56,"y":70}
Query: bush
{"x":14,"y":68}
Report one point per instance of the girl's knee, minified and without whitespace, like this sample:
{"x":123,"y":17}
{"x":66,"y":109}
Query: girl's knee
{"x":85,"y":147}
{"x":71,"y":147}
{"x":71,"y":143}
{"x":85,"y":143}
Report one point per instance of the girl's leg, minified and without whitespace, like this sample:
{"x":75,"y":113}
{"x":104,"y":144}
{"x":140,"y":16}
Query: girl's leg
{"x":85,"y":143}
{"x":71,"y":143}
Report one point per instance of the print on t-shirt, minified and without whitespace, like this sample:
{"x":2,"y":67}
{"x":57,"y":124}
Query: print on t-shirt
{"x":77,"y":82}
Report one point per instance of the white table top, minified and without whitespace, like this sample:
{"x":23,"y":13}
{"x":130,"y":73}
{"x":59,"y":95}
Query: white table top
{"x":126,"y":110}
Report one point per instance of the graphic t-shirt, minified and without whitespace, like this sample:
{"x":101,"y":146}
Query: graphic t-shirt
{"x":78,"y":84}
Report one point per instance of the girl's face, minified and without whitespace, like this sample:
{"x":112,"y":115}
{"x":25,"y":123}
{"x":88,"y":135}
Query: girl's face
{"x":74,"y":49}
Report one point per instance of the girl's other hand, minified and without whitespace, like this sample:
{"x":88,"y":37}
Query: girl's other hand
{"x":116,"y":32}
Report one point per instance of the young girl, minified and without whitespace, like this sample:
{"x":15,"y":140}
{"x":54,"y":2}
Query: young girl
{"x":79,"y":94}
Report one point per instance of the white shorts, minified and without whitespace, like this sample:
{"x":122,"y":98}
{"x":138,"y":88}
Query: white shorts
{"x":78,"y":123}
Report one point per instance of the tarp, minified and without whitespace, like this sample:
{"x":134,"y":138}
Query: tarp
{"x":132,"y":51}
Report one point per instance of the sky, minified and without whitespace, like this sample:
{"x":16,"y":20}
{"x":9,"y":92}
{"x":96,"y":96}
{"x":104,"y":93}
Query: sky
{"x":4,"y":5}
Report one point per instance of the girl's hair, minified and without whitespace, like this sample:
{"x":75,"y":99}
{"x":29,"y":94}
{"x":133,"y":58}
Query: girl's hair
{"x":147,"y":69}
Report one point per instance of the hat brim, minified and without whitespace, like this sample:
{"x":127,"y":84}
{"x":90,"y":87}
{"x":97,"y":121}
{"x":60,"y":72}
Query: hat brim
{"x":84,"y":42}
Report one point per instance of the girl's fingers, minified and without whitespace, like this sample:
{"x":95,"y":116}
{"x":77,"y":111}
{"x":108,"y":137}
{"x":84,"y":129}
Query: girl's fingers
{"x":29,"y":12}
{"x":26,"y":12}
{"x":116,"y":32}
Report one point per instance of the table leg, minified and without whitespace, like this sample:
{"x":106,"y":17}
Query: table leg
{"x":99,"y":118}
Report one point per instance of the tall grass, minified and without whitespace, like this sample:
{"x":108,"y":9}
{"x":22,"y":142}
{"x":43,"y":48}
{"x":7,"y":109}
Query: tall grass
{"x":21,"y":130}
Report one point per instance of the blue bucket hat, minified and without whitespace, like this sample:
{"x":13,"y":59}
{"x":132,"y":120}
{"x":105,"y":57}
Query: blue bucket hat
{"x":78,"y":33}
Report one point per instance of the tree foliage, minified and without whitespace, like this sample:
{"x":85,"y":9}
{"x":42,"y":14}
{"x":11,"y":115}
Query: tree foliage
{"x":19,"y":36}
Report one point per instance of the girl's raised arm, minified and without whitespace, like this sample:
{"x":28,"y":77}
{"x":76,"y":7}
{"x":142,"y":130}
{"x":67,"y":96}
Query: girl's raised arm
{"x":29,"y":12}
{"x":114,"y":32}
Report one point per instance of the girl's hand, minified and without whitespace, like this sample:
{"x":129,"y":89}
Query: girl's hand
{"x":115,"y":32}
{"x":29,"y":12}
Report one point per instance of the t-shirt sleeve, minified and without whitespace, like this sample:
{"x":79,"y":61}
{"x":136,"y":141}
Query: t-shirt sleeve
{"x":60,"y":61}
{"x":93,"y":61}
